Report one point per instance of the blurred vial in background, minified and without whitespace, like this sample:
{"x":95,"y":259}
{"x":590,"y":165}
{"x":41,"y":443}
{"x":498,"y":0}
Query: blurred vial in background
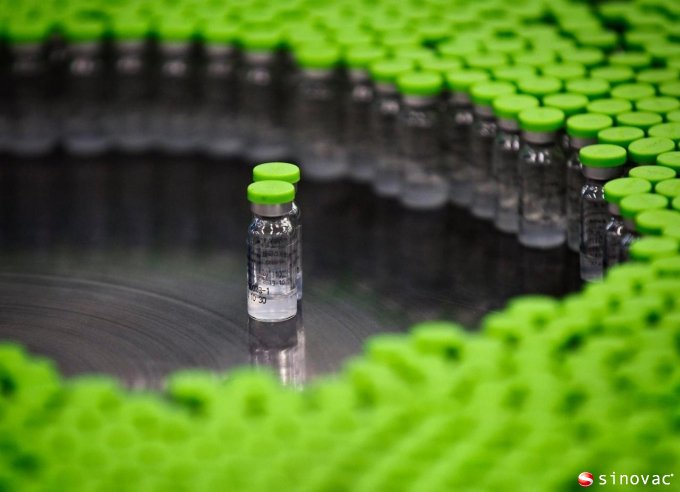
{"x":82,"y":109}
{"x":316,"y":98}
{"x":423,"y":184}
{"x":384,"y":115}
{"x":615,"y":191}
{"x":601,"y":163}
{"x":357,"y":105}
{"x":220,"y":132}
{"x":457,"y":125}
{"x":504,"y":159}
{"x":30,"y":128}
{"x":272,"y":292}
{"x":128,"y":120}
{"x":262,"y":99}
{"x":483,"y":135}
{"x":541,"y":172}
{"x":582,"y":130}
{"x":176,"y":118}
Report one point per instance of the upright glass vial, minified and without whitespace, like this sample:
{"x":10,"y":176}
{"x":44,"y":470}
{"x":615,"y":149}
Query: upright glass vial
{"x":504,"y":159}
{"x":541,"y":177}
{"x":290,"y":173}
{"x":483,"y":135}
{"x":424,"y":183}
{"x":615,"y":191}
{"x":272,"y":290}
{"x":582,"y":130}
{"x":631,"y":206}
{"x":601,"y":163}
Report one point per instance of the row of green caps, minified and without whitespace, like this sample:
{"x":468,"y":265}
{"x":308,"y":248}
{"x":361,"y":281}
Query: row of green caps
{"x":273,"y":183}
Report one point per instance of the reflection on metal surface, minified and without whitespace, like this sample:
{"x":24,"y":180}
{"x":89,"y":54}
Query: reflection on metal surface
{"x":279,"y":346}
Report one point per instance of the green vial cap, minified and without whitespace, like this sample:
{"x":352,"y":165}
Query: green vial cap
{"x":276,"y":171}
{"x":653,"y":174}
{"x":260,"y":40}
{"x":271,"y":192}
{"x":78,"y":30}
{"x":615,"y":75}
{"x":632,"y":205}
{"x":587,"y":125}
{"x":513,"y":73}
{"x":645,"y":150}
{"x":622,"y":136}
{"x":534,"y":59}
{"x":417,"y":54}
{"x":653,"y":222}
{"x":486,"y":61}
{"x":610,"y":107}
{"x":657,"y":76}
{"x":564,"y":71}
{"x":463,"y":80}
{"x":670,"y":188}
{"x":441,"y":65}
{"x":653,"y":248}
{"x":509,"y":106}
{"x":540,"y":86}
{"x":672,"y":231}
{"x":420,"y":83}
{"x":602,"y":39}
{"x":618,"y":189}
{"x":456,"y":49}
{"x":666,"y":130}
{"x":318,"y":56}
{"x":484,"y":93}
{"x":541,"y":120}
{"x":633,"y":92}
{"x":660,"y":105}
{"x":569,"y":104}
{"x":633,"y":59}
{"x":669,"y":267}
{"x":591,"y":88}
{"x":602,"y":155}
{"x":673,"y":116}
{"x":24,"y":31}
{"x":388,"y":71}
{"x":639,"y":119}
{"x":590,"y":57}
{"x":670,"y":159}
{"x":504,"y":45}
{"x":675,"y":204}
{"x":670,"y":89}
{"x":361,"y":57}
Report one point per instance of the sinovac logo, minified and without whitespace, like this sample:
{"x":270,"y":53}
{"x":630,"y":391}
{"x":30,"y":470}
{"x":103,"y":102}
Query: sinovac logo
{"x":586,"y":479}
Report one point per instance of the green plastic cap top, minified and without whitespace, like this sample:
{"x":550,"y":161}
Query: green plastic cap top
{"x":633,"y":92}
{"x":420,"y":83}
{"x":646,"y":150}
{"x":633,"y":59}
{"x":569,"y":104}
{"x":215,"y":32}
{"x":632,"y":205}
{"x":652,"y":248}
{"x":276,"y":171}
{"x":463,"y":80}
{"x":318,"y":56}
{"x":389,"y":70}
{"x":589,"y":57}
{"x":79,"y":30}
{"x":587,"y":125}
{"x":541,"y":120}
{"x":622,"y":136}
{"x":504,"y":45}
{"x":653,"y":222}
{"x":661,"y":104}
{"x":25,"y":31}
{"x":486,"y":61}
{"x":639,"y":119}
{"x":673,"y":116}
{"x":260,"y":40}
{"x":441,"y":65}
{"x":670,"y":188}
{"x":418,"y":54}
{"x":363,"y":56}
{"x":540,"y":86}
{"x":591,"y":88}
{"x":513,"y":73}
{"x":666,"y":130}
{"x":670,"y":89}
{"x":457,"y":49}
{"x":653,"y":174}
{"x":484,"y":93}
{"x":564,"y":71}
{"x":610,"y":107}
{"x":676,"y":203}
{"x":509,"y":106}
{"x":271,"y":192}
{"x":657,"y":76}
{"x":602,"y":155}
{"x":534,"y":58}
{"x":669,"y":159}
{"x":617,"y":189}
{"x":615,"y":75}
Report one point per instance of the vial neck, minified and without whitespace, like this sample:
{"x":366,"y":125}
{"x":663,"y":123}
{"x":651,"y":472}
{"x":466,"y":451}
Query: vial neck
{"x":508,"y":126}
{"x":579,"y":142}
{"x":614,"y":210}
{"x":539,"y":138}
{"x":270,"y":211}
{"x":602,"y":173}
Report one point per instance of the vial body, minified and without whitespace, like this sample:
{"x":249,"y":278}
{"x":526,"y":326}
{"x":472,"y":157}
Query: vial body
{"x":318,"y":145}
{"x":297,"y":224}
{"x":575,"y":183}
{"x":424,"y":184}
{"x":629,"y":237}
{"x":484,"y":131}
{"x":272,"y":266}
{"x":360,"y":155}
{"x":384,"y":114}
{"x":613,"y":238}
{"x":457,"y":126}
{"x":505,"y":155}
{"x":542,"y":218}
{"x":594,"y":217}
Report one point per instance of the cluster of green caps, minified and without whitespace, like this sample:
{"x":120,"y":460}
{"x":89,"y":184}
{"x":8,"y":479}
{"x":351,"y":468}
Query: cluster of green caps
{"x":273,"y":183}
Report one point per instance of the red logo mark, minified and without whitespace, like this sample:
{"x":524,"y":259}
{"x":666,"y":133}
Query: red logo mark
{"x":585,"y":479}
